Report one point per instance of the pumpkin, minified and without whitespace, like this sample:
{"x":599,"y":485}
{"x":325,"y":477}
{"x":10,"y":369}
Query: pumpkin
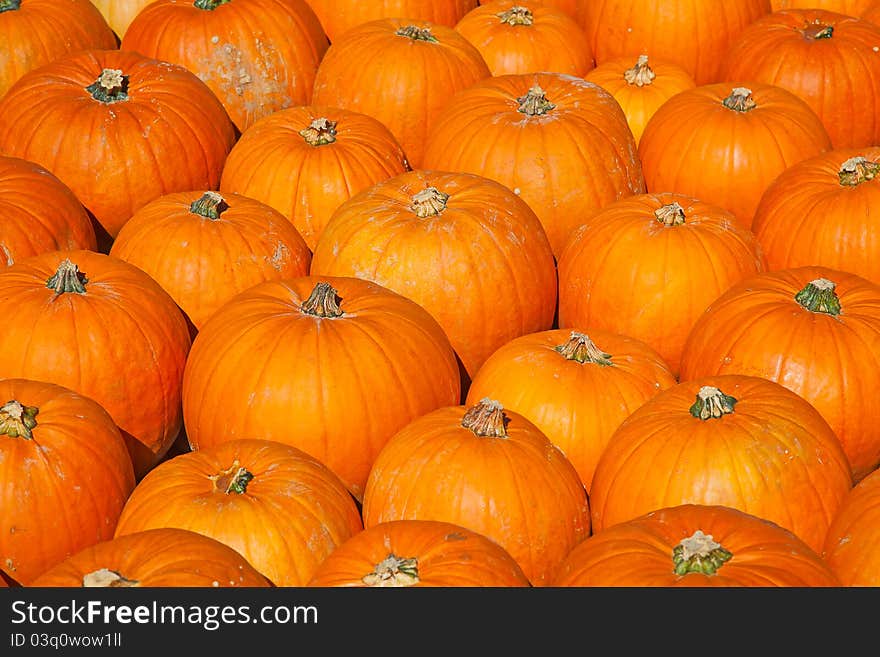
{"x":418,"y":553}
{"x":161,"y":557}
{"x":812,"y":329}
{"x":350,"y":361}
{"x":872,"y":13}
{"x":203,"y":248}
{"x":120,"y":13}
{"x":828,"y":59}
{"x":281,"y":509}
{"x":575,"y":387}
{"x":487,"y":469}
{"x":36,"y":32}
{"x":824,"y":211}
{"x":65,"y":475}
{"x":561,"y":143}
{"x":739,"y":138}
{"x":257,"y":56}
{"x":104,"y":328}
{"x":740,"y":441}
{"x":850,"y":7}
{"x":463,"y":247}
{"x":149,"y":127}
{"x":407,"y":70}
{"x":850,"y":547}
{"x":694,"y":35}
{"x":39,"y":212}
{"x":526,"y":37}
{"x":648,"y":265}
{"x":305,"y":161}
{"x":640,"y":86}
{"x":695,"y":545}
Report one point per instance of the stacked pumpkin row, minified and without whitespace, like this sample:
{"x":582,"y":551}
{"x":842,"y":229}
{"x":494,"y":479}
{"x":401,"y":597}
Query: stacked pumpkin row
{"x":486,"y":320}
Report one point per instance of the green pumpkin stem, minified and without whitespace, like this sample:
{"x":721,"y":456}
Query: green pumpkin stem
{"x":582,"y":349}
{"x":210,"y":205}
{"x":429,"y":202}
{"x":209,"y":5}
{"x":740,"y":100}
{"x":233,"y":480}
{"x":699,"y":553}
{"x":321,"y":131}
{"x":394,"y":571}
{"x":417,"y":33}
{"x":110,"y":87}
{"x":106,"y":578}
{"x":9,"y":5}
{"x":535,"y":102}
{"x":67,"y":278}
{"x":857,"y":170}
{"x":819,"y":297}
{"x":322,"y":302}
{"x":671,"y":214}
{"x":517,"y":15}
{"x":486,"y":419}
{"x":819,"y":31}
{"x":17,"y":420}
{"x":712,"y":403}
{"x":640,"y":74}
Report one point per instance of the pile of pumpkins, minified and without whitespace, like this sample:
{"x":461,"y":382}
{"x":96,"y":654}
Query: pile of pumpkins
{"x":516,"y":293}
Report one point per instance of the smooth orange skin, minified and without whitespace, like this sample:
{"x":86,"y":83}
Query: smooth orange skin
{"x":316,"y":179}
{"x":161,"y":557}
{"x":404,"y":83}
{"x":849,"y":7}
{"x":293,"y":514}
{"x":638,"y":553}
{"x":119,"y":13}
{"x":257,"y":56}
{"x":448,"y":555}
{"x":850,"y":547}
{"x":757,"y":328}
{"x":774,"y":457}
{"x":872,"y":13}
{"x":64,"y":489}
{"x":123,"y":343}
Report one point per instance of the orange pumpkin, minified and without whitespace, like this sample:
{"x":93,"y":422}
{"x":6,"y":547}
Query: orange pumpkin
{"x":418,"y":553}
{"x":489,"y":470}
{"x":407,"y":70}
{"x":65,"y":472}
{"x":872,"y":13}
{"x":739,"y":138}
{"x":695,"y":545}
{"x":120,"y":13}
{"x":851,"y":542}
{"x":161,"y":557}
{"x":104,"y":328}
{"x":559,"y":142}
{"x":463,"y":247}
{"x":812,"y":329}
{"x":203,"y":248}
{"x":278,"y":507}
{"x":305,"y":161}
{"x":850,"y":7}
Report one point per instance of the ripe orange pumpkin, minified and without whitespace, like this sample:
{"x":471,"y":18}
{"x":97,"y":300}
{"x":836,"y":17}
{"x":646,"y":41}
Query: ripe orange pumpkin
{"x":257,"y":56}
{"x":39,"y":212}
{"x":814,"y":330}
{"x":119,"y":13}
{"x":350,"y":360}
{"x":66,"y":475}
{"x":489,"y":470}
{"x":824,"y":211}
{"x":850,"y":547}
{"x":106,"y":329}
{"x":161,"y":557}
{"x":401,"y":553}
{"x":203,"y":248}
{"x":739,"y":138}
{"x":695,"y":545}
{"x":561,"y":143}
{"x":463,"y":247}
{"x":407,"y":70}
{"x":872,"y":13}
{"x":850,"y":7}
{"x":281,"y":509}
{"x":305,"y":161}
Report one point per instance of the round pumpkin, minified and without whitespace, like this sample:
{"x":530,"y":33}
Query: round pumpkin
{"x":305,"y":161}
{"x":161,"y":557}
{"x":850,"y":547}
{"x":402,"y":553}
{"x":695,"y":545}
{"x":119,"y":13}
{"x":106,"y":329}
{"x":463,"y":247}
{"x":812,"y":329}
{"x":65,"y":475}
{"x":281,"y":509}
{"x":850,"y":7}
{"x":39,"y":212}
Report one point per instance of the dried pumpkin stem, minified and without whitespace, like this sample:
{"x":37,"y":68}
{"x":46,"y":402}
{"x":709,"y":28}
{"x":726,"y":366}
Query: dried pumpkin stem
{"x":640,"y":74}
{"x":857,"y":170}
{"x":394,"y":571}
{"x":17,"y":420}
{"x":210,"y":205}
{"x":818,"y":30}
{"x":582,"y":349}
{"x":486,"y":418}
{"x":429,"y":202}
{"x":67,"y":278}
{"x":110,"y":87}
{"x":535,"y":102}
{"x":321,"y":131}
{"x":699,"y":553}
{"x":671,"y":214}
{"x":9,"y":5}
{"x":417,"y":33}
{"x":322,"y":302}
{"x":234,"y":479}
{"x":712,"y":403}
{"x":209,"y":5}
{"x":740,"y":100}
{"x":106,"y":578}
{"x":819,"y":296}
{"x":517,"y":15}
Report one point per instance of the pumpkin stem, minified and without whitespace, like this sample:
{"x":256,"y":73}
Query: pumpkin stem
{"x":712,"y":403}
{"x":320,"y":131}
{"x":818,"y":30}
{"x":209,"y":5}
{"x":535,"y":102}
{"x":417,"y":33}
{"x":740,"y":100}
{"x":640,"y":74}
{"x":582,"y":349}
{"x":17,"y":420}
{"x":9,"y":5}
{"x":671,"y":214}
{"x":699,"y":553}
{"x":323,"y":302}
{"x":394,"y":571}
{"x":235,"y":479}
{"x":110,"y":87}
{"x":857,"y":170}
{"x":516,"y":15}
{"x":486,"y":418}
{"x":211,"y":205}
{"x":67,"y":278}
{"x":819,"y":297}
{"x":107,"y":578}
{"x":429,"y":202}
